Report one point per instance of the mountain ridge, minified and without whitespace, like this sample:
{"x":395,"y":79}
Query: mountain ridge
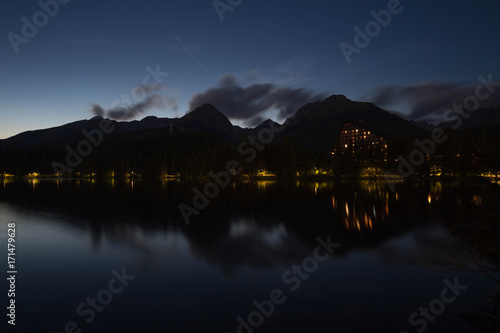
{"x":316,"y":125}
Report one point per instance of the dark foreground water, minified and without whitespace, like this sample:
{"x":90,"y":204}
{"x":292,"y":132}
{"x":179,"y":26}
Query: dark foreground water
{"x":263,"y":256}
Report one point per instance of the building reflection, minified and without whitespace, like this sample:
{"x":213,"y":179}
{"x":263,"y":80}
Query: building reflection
{"x":435,"y":193}
{"x":6,"y":181}
{"x":34,"y":183}
{"x":363,"y":208}
{"x":263,"y":184}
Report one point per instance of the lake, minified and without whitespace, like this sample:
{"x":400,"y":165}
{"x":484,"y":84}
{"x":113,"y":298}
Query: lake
{"x":263,"y":256}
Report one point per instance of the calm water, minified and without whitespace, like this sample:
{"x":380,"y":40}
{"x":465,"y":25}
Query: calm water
{"x":394,"y":251}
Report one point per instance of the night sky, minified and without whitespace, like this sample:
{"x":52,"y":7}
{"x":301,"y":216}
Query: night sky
{"x":263,"y":60}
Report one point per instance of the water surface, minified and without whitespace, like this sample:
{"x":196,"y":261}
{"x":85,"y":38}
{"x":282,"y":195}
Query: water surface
{"x":395,"y":250}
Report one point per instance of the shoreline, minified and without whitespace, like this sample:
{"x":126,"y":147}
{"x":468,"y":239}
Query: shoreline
{"x":267,"y":177}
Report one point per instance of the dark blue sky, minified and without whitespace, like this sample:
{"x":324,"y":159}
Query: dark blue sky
{"x":262,"y":60}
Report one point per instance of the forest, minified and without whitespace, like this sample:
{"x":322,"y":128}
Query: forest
{"x":465,"y":152}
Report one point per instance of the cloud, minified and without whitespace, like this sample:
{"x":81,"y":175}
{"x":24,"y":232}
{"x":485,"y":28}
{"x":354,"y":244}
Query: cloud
{"x":428,"y":100}
{"x":251,"y":102}
{"x":134,"y":110}
{"x":228,"y":81}
{"x":426,"y":247}
{"x":249,"y":244}
{"x":145,"y":97}
{"x":255,"y":121}
{"x":97,"y":110}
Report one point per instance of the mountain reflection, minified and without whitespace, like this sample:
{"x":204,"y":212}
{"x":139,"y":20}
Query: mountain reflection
{"x":250,"y":244}
{"x":258,"y":224}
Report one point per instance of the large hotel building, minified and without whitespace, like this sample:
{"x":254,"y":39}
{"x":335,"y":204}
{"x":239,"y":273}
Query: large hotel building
{"x":358,"y":140}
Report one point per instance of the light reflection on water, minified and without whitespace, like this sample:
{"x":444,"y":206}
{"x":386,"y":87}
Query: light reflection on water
{"x":395,"y":251}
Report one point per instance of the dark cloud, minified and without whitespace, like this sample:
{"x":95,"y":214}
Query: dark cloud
{"x":145,"y":97}
{"x":134,"y":110}
{"x":228,"y":80}
{"x":429,"y":100}
{"x":97,"y":110}
{"x":249,"y":103}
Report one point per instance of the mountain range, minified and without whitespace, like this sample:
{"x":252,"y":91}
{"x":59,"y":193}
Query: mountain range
{"x":315,"y":125}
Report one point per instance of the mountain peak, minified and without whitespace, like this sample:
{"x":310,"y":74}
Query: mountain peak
{"x":267,"y":124}
{"x":318,"y":124}
{"x":337,"y":99}
{"x":205,"y":112}
{"x":207,"y":118}
{"x":149,"y":118}
{"x":207,"y":107}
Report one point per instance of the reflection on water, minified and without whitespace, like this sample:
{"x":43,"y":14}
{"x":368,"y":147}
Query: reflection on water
{"x":365,"y":207}
{"x":396,"y":249}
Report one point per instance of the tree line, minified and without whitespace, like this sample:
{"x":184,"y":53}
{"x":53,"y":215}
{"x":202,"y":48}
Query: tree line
{"x":466,"y":152}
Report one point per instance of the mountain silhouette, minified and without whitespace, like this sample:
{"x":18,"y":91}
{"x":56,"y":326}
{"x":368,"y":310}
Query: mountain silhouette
{"x":315,"y":125}
{"x":208,"y":119}
{"x":480,"y":117}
